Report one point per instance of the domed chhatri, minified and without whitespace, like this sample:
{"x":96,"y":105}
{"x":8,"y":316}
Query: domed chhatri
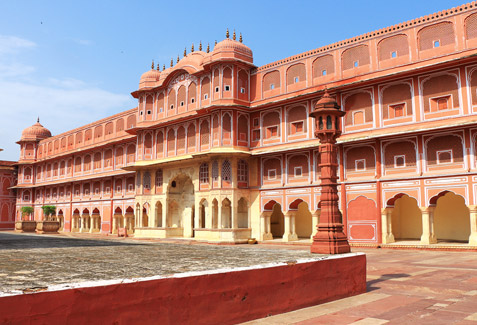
{"x":35,"y":132}
{"x":149,"y":78}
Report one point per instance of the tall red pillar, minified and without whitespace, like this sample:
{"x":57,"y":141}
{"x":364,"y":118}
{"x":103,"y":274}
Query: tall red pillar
{"x":330,"y":238}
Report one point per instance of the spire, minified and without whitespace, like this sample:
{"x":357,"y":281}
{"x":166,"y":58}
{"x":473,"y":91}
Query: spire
{"x":163,"y":67}
{"x":208,"y":48}
{"x":152,"y":65}
{"x":227,"y":33}
{"x":192,"y":49}
{"x":215,"y":42}
{"x":178,"y":58}
{"x":172,"y":62}
{"x":234,"y":37}
{"x":185,"y":52}
{"x":240,"y":39}
{"x":200,"y":46}
{"x":38,"y":120}
{"x":158,"y":67}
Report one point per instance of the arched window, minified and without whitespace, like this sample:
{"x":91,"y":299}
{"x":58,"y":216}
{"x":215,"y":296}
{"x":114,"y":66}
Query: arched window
{"x":226,"y":171}
{"x":147,"y":181}
{"x":215,"y":170}
{"x":159,"y":178}
{"x":242,"y":170}
{"x":204,"y":173}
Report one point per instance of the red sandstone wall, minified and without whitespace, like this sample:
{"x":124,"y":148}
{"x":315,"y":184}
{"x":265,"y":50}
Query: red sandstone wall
{"x":224,"y":298}
{"x":7,"y":197}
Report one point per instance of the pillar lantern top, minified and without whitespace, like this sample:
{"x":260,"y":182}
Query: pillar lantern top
{"x":327,"y":105}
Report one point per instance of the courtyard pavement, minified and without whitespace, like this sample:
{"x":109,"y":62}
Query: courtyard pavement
{"x":404,"y":286}
{"x":30,"y":262}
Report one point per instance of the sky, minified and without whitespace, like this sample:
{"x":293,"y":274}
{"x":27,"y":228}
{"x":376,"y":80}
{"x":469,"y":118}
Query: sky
{"x":73,"y":62}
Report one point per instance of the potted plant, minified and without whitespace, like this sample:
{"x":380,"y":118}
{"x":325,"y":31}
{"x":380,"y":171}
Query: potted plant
{"x":26,"y":225}
{"x":49,"y":224}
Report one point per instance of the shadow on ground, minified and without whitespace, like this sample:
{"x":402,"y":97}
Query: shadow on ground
{"x":24,"y":241}
{"x":384,"y":277}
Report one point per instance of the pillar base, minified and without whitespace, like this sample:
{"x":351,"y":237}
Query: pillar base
{"x":473,"y":240}
{"x":289,"y":237}
{"x":388,"y":239}
{"x":330,"y":240}
{"x":428,"y":240}
{"x":267,"y":236}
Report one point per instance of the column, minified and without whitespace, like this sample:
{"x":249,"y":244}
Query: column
{"x":234,"y":212}
{"x":315,"y":219}
{"x":473,"y":225}
{"x":428,"y":237}
{"x":288,"y":234}
{"x":265,"y":226}
{"x":386,"y":223}
{"x":164,"y":215}
{"x":151,"y":216}
{"x":219,"y":208}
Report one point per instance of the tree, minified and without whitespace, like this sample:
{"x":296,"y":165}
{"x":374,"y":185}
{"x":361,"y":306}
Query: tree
{"x":48,"y":211}
{"x":27,"y":211}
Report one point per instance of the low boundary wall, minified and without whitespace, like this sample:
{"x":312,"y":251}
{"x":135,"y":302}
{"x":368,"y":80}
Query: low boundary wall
{"x":217,"y":297}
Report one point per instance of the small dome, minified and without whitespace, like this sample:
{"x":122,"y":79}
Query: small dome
{"x":149,"y":78}
{"x":326,"y":99}
{"x":229,"y":44}
{"x":35,"y":132}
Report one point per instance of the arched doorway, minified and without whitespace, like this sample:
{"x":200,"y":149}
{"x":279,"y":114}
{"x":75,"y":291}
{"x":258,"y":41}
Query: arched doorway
{"x":277,"y":221}
{"x":86,"y":222}
{"x":303,"y":221}
{"x":406,"y":218}
{"x":61,"y":219}
{"x":117,"y":220}
{"x":158,"y":221}
{"x":451,"y":217}
{"x":180,"y":214}
{"x":76,"y":221}
{"x":145,"y":215}
{"x":203,"y":205}
{"x":215,"y":214}
{"x":242,"y":213}
{"x":226,"y":216}
{"x":95,"y":221}
{"x":129,"y":220}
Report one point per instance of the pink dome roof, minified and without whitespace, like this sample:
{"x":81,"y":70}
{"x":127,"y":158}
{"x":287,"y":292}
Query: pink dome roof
{"x":35,"y":132}
{"x":149,"y":78}
{"x":230,"y":44}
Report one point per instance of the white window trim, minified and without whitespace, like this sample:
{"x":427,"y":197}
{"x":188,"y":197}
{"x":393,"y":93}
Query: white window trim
{"x":394,"y":57}
{"x":364,"y":116}
{"x":356,"y":162}
{"x":272,"y":136}
{"x":303,"y":127}
{"x":443,"y":151}
{"x":295,"y":169}
{"x":225,"y":87}
{"x":254,"y":132}
{"x":269,"y":176}
{"x":396,"y":104}
{"x":396,"y":158}
{"x":356,"y":64}
{"x":256,"y":119}
{"x":451,"y":102}
{"x":434,"y":43}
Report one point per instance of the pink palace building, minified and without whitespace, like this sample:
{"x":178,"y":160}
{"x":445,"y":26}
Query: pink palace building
{"x":221,"y":150}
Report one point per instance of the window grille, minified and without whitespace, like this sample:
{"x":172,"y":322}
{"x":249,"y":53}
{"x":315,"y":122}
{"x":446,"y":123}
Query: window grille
{"x":215,"y":170}
{"x":159,"y":178}
{"x":242,"y":171}
{"x":204,"y":173}
{"x":226,"y":171}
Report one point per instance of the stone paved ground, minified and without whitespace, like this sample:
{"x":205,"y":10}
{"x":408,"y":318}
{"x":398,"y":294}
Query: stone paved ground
{"x":404,"y":287}
{"x":32,"y":261}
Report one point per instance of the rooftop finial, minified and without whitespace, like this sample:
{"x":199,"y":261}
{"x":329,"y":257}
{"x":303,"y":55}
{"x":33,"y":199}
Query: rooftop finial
{"x":152,"y":65}
{"x":178,"y":58}
{"x":227,"y":33}
{"x":200,"y":46}
{"x":240,"y":39}
{"x":234,"y":37}
{"x":208,"y":48}
{"x":185,"y":52}
{"x":158,"y":67}
{"x":172,"y":62}
{"x":215,"y":42}
{"x":163,"y":67}
{"x":192,"y":49}
{"x":38,"y":120}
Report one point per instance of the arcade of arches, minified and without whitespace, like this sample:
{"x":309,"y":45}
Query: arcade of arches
{"x":446,"y":219}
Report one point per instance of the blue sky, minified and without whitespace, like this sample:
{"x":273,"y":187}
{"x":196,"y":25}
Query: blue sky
{"x":73,"y":62}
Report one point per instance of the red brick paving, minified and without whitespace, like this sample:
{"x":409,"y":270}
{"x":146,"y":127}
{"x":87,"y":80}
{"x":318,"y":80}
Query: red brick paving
{"x":404,"y":287}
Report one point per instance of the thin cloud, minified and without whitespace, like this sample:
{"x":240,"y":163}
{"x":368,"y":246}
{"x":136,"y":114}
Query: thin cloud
{"x":13,"y":44}
{"x":84,"y":42}
{"x":61,"y":103}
